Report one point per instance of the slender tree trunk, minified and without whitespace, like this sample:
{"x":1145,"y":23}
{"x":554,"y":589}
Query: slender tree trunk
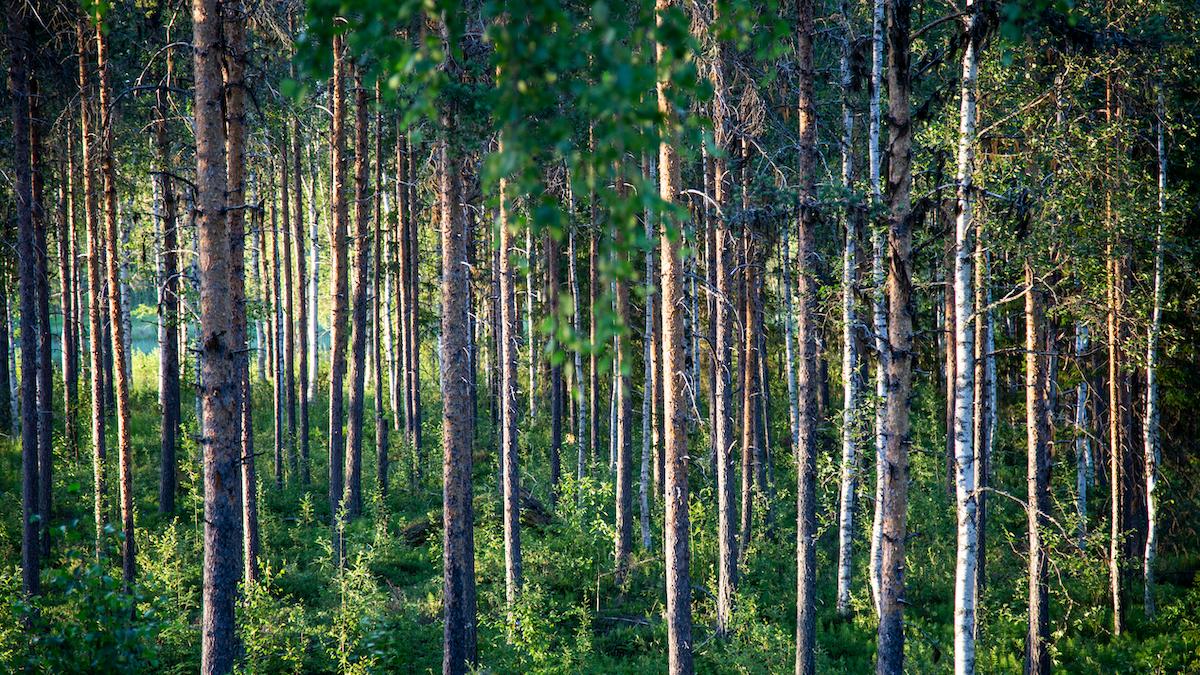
{"x":286,"y":325}
{"x":70,"y":335}
{"x":233,"y":71}
{"x":414,"y":313}
{"x":19,"y":90}
{"x":983,"y":410}
{"x":303,"y":344}
{"x":851,"y":383}
{"x":45,"y":361}
{"x":878,"y":295}
{"x":651,"y":375}
{"x":1037,"y":658}
{"x":593,"y":393}
{"x":577,"y":389}
{"x":459,"y":637}
{"x":1116,"y":415}
{"x":1151,"y":423}
{"x":120,"y":356}
{"x":965,"y":483}
{"x":677,"y":528}
{"x":556,"y":402}
{"x":338,"y":285}
{"x":1083,"y":444}
{"x":314,"y":281}
{"x":750,"y":393}
{"x":806,"y":333}
{"x":530,"y":339}
{"x":168,"y":304}
{"x":358,"y":303}
{"x":624,"y":427}
{"x":894,"y":469}
{"x":220,"y":372}
{"x":90,"y":210}
{"x":381,"y":426}
{"x":509,"y":433}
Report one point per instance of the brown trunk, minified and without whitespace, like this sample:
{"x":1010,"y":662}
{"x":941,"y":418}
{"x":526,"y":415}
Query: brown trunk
{"x":809,"y":380}
{"x":623,"y":431}
{"x":96,"y":350}
{"x":120,"y":370}
{"x":556,"y":400}
{"x":18,"y":87}
{"x":358,"y":290}
{"x":301,"y":282}
{"x":45,"y":361}
{"x":894,"y":493}
{"x":66,"y":268}
{"x":510,"y":476}
{"x":337,"y":283}
{"x":286,"y":295}
{"x":677,"y":528}
{"x":413,"y":319}
{"x":749,"y":379}
{"x":1037,"y":659}
{"x":381,"y":427}
{"x":459,"y":652}
{"x":220,"y":374}
{"x":593,"y":394}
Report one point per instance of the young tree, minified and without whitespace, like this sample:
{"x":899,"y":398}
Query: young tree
{"x":1037,"y":658}
{"x":338,"y":284}
{"x":169,"y":301}
{"x":510,"y":475}
{"x":1151,"y":428}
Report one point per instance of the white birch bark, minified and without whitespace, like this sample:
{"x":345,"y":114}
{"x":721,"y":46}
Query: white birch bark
{"x":1083,"y":445}
{"x":967,"y":550}
{"x":1151,"y":431}
{"x":850,"y":382}
{"x":879,"y":296}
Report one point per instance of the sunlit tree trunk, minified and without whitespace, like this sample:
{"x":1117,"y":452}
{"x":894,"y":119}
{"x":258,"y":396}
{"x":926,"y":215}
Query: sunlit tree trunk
{"x":1151,"y":424}
{"x":286,"y":292}
{"x":92,"y":227}
{"x":302,"y":341}
{"x":894,"y":467}
{"x":358,"y":303}
{"x":220,"y":373}
{"x":851,"y":383}
{"x":120,"y":356}
{"x":338,"y":285}
{"x":878,"y":294}
{"x":380,"y":319}
{"x":966,"y":496}
{"x":676,"y":531}
{"x":1037,"y":658}
{"x":623,"y":429}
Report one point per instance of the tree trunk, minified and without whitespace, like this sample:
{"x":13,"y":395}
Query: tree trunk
{"x":1116,"y":397}
{"x":459,"y":652}
{"x":220,"y":375}
{"x":509,"y":432}
{"x":120,"y":356}
{"x":593,"y":388}
{"x":19,"y":90}
{"x":1151,"y":430}
{"x":414,"y":313}
{"x":878,"y":293}
{"x":358,"y":289}
{"x":983,"y":404}
{"x":286,"y":325}
{"x":90,"y":211}
{"x":893,"y":495}
{"x":168,"y":308}
{"x":677,"y":529}
{"x":338,"y":285}
{"x":965,"y":484}
{"x":851,"y":384}
{"x":381,"y":426}
{"x":806,"y":334}
{"x":70,"y":335}
{"x":302,"y":338}
{"x":45,"y":362}
{"x":622,"y":432}
{"x":556,"y":402}
{"x":1037,"y":658}
{"x":1083,"y":444}
{"x":314,"y":281}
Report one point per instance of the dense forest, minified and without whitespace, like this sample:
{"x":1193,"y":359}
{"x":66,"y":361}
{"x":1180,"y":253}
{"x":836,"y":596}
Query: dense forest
{"x":753,"y":337}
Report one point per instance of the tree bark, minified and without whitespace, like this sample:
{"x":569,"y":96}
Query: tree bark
{"x":675,"y":453}
{"x":303,"y":344}
{"x":893,"y":497}
{"x":1037,"y":658}
{"x":19,"y":90}
{"x":338,"y":285}
{"x":91,"y":224}
{"x":168,"y":307}
{"x":120,"y":356}
{"x":965,"y":483}
{"x":1151,"y":424}
{"x":806,"y":334}
{"x":220,"y":375}
{"x":358,"y":291}
{"x":287,"y":298}
{"x":382,"y":322}
{"x":509,"y":435}
{"x":624,"y":427}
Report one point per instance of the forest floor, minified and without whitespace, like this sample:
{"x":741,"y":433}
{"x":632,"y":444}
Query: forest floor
{"x":382,"y":612}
